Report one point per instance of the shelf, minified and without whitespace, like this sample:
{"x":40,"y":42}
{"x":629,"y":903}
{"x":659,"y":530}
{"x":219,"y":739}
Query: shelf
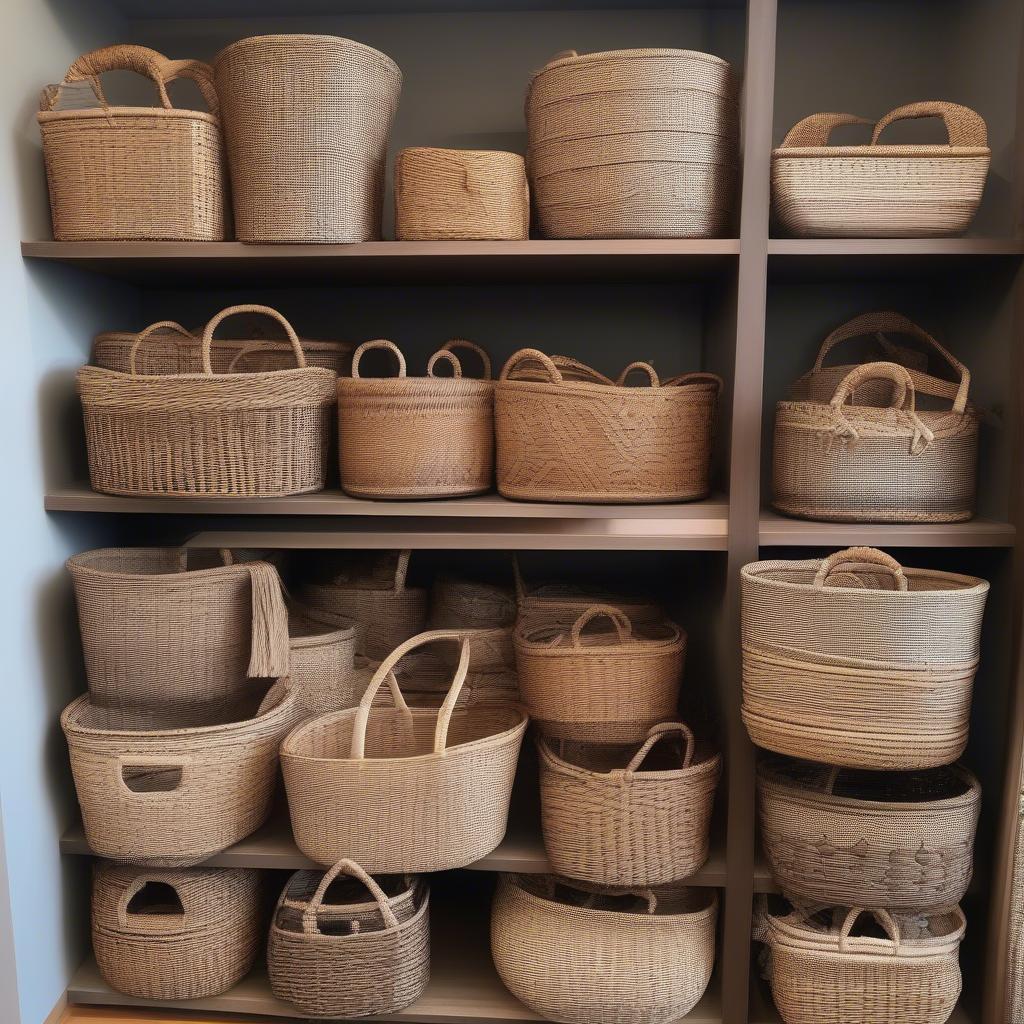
{"x":312,"y":8}
{"x":780,"y":531}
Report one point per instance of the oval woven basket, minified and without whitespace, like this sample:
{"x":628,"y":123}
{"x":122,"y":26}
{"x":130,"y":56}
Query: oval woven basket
{"x":322,"y":658}
{"x":458,"y":601}
{"x":856,"y":661}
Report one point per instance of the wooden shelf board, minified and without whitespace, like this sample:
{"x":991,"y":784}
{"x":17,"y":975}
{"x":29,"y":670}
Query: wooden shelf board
{"x":896,"y":246}
{"x":780,"y":531}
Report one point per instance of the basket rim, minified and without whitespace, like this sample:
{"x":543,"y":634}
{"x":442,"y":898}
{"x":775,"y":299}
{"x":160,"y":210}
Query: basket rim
{"x":632,"y":646}
{"x":441,"y":387}
{"x":80,"y":563}
{"x":709,"y":765}
{"x":164,"y":380}
{"x":585,"y":389}
{"x":882,"y":151}
{"x":170,"y":338}
{"x":305,"y":37}
{"x":634,"y":53}
{"x":98,"y":113}
{"x":504,"y":153}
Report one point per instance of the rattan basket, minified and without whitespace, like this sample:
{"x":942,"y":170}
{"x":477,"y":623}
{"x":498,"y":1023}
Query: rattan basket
{"x":458,"y":601}
{"x":322,"y":657}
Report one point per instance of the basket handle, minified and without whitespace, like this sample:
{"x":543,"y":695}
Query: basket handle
{"x":643,"y":367}
{"x":815,"y":130}
{"x":196,"y":71}
{"x":831,"y":779}
{"x":217,"y":319}
{"x":883,"y":917}
{"x":182,"y":762}
{"x":269,"y":644}
{"x":536,"y":356}
{"x":695,"y":377}
{"x":965,"y":127}
{"x":378,"y":343}
{"x":619,"y":619}
{"x":402,"y":569}
{"x":160,"y":325}
{"x":138,"y":922}
{"x":860,"y":556}
{"x":518,"y":581}
{"x":485,"y":359}
{"x":310,"y":925}
{"x":448,"y":357}
{"x":660,"y":732}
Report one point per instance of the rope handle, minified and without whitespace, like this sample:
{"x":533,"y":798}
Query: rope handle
{"x":619,"y":619}
{"x":535,"y":356}
{"x":218,"y":318}
{"x":657,"y":733}
{"x":814,"y":131}
{"x":860,"y":556}
{"x":368,"y":346}
{"x":883,"y":917}
{"x":198,"y":72}
{"x":965,"y":127}
{"x":402,"y":569}
{"x":642,"y":367}
{"x":518,"y":581}
{"x":448,"y":357}
{"x":485,"y":359}
{"x":310,"y":925}
{"x":138,"y":922}
{"x":160,"y":325}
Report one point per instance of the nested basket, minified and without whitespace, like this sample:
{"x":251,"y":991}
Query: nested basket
{"x":175,"y":934}
{"x":416,"y":437}
{"x":628,"y":816}
{"x":350,"y":957}
{"x":878,"y":190}
{"x":402,"y":789}
{"x":458,"y":601}
{"x":133,"y":173}
{"x":307,"y":120}
{"x":322,"y":653}
{"x":856,"y":661}
{"x":581,"y":954}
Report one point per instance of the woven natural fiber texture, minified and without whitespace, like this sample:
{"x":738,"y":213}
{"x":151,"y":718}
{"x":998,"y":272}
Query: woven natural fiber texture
{"x":1015,"y":950}
{"x":577,"y":954}
{"x":633,"y":144}
{"x":409,"y":437}
{"x":349,"y":957}
{"x":881,"y":191}
{"x":457,"y":601}
{"x":175,"y":934}
{"x":322,"y":655}
{"x":460,"y":194}
{"x":399,"y":788}
{"x":856,"y":661}
{"x":172,"y":789}
{"x":134,"y":173}
{"x":560,"y":439}
{"x":628,"y":816}
{"x":868,"y":839}
{"x":307,"y":120}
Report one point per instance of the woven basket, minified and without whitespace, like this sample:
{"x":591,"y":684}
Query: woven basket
{"x":132,"y":173}
{"x":349,"y":959}
{"x":575,"y":954}
{"x":855,"y":661}
{"x":880,"y":191}
{"x":165,"y":934}
{"x":457,"y":601}
{"x":307,"y":120}
{"x":1015,"y":950}
{"x":322,"y":657}
{"x":893,"y":841}
{"x":633,"y":144}
{"x":416,"y":437}
{"x":564,"y":440}
{"x":403,"y":789}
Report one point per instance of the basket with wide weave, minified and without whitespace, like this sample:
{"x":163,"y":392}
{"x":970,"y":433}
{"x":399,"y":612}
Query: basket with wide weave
{"x":580,"y":954}
{"x":322,"y":660}
{"x":399,"y":788}
{"x":628,"y":816}
{"x":175,"y":934}
{"x":880,"y":190}
{"x":350,"y":957}
{"x":856,"y":661}
{"x":133,"y":173}
{"x":633,"y":144}
{"x":307,"y":120}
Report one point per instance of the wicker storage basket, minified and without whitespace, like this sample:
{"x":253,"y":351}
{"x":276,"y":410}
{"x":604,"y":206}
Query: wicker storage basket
{"x":457,"y":601}
{"x":609,"y":819}
{"x":133,"y":173}
{"x":856,"y":661}
{"x":633,"y":144}
{"x":570,"y":440}
{"x":403,"y":789}
{"x":869,"y":839}
{"x":307,"y":120}
{"x":578,"y":955}
{"x":322,"y":658}
{"x":416,"y":437}
{"x":1015,"y":949}
{"x":881,"y":191}
{"x":349,"y":958}
{"x":175,"y":934}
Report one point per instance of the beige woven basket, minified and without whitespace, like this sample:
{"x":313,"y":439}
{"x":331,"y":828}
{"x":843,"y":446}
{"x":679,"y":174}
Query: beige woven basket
{"x":1015,"y":947}
{"x":626,"y":816}
{"x":580,"y":955}
{"x":881,"y":191}
{"x":403,"y":789}
{"x":307,"y":120}
{"x":560,"y":439}
{"x":322,"y":657}
{"x":855,"y":661}
{"x":633,"y":144}
{"x":132,"y":173}
{"x":416,"y":437}
{"x":167,"y":934}
{"x":458,"y":601}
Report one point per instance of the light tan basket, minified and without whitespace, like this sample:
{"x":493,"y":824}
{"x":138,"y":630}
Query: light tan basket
{"x":581,"y":955}
{"x":133,"y":173}
{"x":307,"y":120}
{"x":855,"y":661}
{"x":322,"y":656}
{"x":458,"y":601}
{"x":166,"y":934}
{"x":881,"y":191}
{"x":1015,"y":946}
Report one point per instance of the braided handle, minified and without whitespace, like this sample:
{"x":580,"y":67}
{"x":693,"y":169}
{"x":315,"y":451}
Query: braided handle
{"x":865,"y":556}
{"x":198,"y":72}
{"x":965,"y":127}
{"x":643,"y":368}
{"x":815,"y":130}
{"x":367,"y":346}
{"x":216,"y":320}
{"x":657,"y":733}
{"x":619,"y":619}
{"x":310,"y":925}
{"x":485,"y":359}
{"x":449,"y":357}
{"x":535,"y":356}
{"x":160,"y":325}
{"x":883,"y":917}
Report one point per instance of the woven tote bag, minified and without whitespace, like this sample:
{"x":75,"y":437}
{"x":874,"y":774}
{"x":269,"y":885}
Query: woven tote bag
{"x":856,"y":661}
{"x":322,"y":658}
{"x":133,"y":173}
{"x":625,"y":816}
{"x":175,"y":934}
{"x":400,"y":788}
{"x":577,"y":954}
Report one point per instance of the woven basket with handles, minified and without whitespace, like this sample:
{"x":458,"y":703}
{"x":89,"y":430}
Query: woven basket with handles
{"x":460,"y":601}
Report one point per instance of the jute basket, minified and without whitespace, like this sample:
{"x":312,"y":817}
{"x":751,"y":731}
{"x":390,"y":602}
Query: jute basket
{"x":881,"y":191}
{"x":1015,"y":951}
{"x":416,"y":437}
{"x":856,"y":661}
{"x":322,"y":656}
{"x":248,"y":435}
{"x":403,"y":789}
{"x":133,"y":173}
{"x":624,"y":816}
{"x":175,"y":934}
{"x":307,"y":120}
{"x":457,"y":601}
{"x":572,"y":440}
{"x":868,"y":839}
{"x":349,"y":959}
{"x":580,"y":955}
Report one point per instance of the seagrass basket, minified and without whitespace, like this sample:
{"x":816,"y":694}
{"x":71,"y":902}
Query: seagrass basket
{"x":132,"y":173}
{"x":322,"y":652}
{"x":175,"y":934}
{"x":458,"y":601}
{"x":856,"y":661}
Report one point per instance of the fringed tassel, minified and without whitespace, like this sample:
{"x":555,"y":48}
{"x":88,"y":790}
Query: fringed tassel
{"x":269,"y":653}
